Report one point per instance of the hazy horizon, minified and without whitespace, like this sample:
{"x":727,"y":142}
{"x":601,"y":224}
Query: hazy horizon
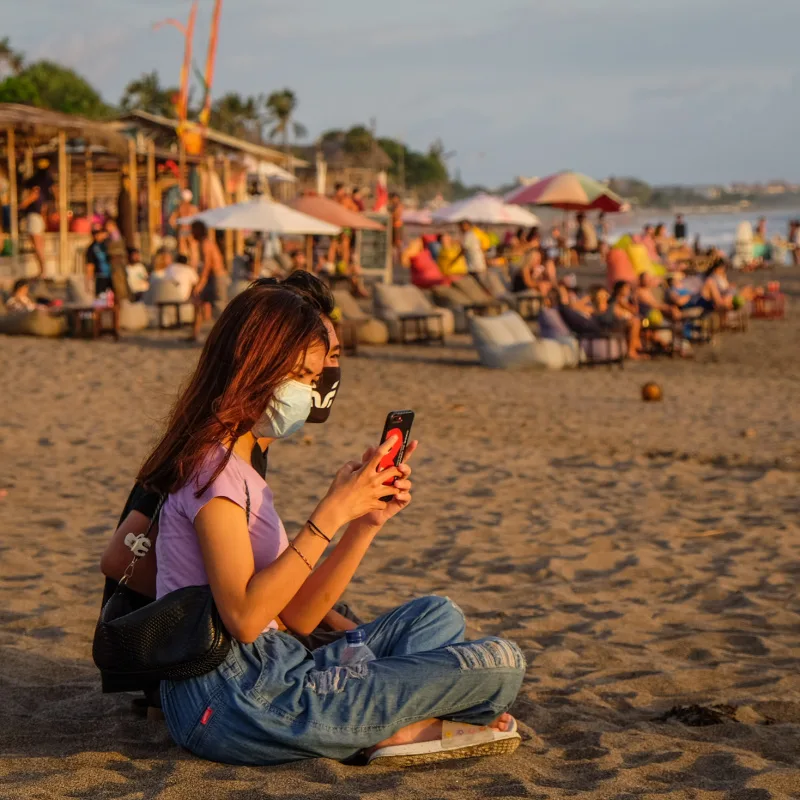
{"x":701,"y":92}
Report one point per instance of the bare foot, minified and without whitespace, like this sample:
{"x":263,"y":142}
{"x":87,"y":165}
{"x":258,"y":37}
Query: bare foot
{"x":429,"y":730}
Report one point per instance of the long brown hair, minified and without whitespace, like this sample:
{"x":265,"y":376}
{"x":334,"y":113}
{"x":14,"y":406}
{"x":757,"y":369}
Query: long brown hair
{"x":254,"y":346}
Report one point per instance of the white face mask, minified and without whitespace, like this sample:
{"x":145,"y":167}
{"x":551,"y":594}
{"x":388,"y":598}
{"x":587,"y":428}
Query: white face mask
{"x":287,"y":412}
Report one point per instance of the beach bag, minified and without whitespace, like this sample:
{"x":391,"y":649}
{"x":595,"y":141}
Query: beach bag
{"x":176,"y":637}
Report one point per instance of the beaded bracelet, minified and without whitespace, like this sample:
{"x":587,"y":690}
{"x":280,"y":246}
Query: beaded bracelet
{"x":308,"y":563}
{"x":316,"y":531}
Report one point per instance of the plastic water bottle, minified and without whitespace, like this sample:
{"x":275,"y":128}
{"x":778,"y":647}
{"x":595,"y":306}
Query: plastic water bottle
{"x":356,"y":651}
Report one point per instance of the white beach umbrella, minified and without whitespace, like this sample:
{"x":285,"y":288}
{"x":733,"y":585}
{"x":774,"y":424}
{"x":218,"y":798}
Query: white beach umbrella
{"x":263,"y":214}
{"x":486,"y":209}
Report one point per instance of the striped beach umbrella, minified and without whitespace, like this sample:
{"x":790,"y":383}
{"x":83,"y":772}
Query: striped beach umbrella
{"x":569,"y":191}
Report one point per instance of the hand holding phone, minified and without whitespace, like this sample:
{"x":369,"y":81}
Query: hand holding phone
{"x":398,"y":427}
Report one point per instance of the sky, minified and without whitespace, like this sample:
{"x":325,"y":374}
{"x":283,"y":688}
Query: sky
{"x":671,"y":91}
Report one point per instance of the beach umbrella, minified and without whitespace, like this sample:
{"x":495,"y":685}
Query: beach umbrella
{"x":321,"y":207}
{"x":569,"y":191}
{"x":486,"y":209}
{"x":417,"y":216}
{"x":265,"y":215}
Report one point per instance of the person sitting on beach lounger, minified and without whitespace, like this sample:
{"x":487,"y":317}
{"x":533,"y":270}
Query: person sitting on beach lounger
{"x":535,"y":274}
{"x":648,"y":300}
{"x":615,"y":312}
{"x":428,"y":693}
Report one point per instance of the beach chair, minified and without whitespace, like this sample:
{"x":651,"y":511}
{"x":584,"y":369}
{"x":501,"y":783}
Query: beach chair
{"x":506,"y":342}
{"x":173,"y":310}
{"x":410,"y":315}
{"x":357,"y":326}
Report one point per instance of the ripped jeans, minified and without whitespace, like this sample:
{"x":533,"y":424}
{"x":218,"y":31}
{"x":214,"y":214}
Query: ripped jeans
{"x":273,"y":701}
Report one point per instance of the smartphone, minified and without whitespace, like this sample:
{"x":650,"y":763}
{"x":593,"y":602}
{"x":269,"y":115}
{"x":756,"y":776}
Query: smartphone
{"x":398,"y":425}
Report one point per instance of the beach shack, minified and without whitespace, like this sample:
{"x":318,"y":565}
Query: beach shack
{"x":216,"y":166}
{"x":70,"y":143}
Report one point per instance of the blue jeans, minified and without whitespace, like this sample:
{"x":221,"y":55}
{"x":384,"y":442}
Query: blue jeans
{"x":273,"y":701}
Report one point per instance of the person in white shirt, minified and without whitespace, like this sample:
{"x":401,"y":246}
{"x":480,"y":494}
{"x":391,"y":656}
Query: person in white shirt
{"x":471,"y":247}
{"x":183,"y":275}
{"x":138,"y":278}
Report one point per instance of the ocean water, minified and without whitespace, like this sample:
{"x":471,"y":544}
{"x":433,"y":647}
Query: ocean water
{"x":715,"y":230}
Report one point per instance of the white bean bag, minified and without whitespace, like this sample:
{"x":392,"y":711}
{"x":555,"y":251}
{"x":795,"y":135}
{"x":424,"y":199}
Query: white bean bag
{"x":506,"y":342}
{"x":393,"y":302}
{"x":165,"y":291}
{"x":78,"y":291}
{"x":133,"y":316}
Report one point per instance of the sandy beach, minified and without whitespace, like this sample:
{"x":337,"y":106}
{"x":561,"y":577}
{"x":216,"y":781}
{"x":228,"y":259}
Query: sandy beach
{"x":644,"y":556}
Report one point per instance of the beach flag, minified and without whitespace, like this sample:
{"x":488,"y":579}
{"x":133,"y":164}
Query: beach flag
{"x":381,"y":193}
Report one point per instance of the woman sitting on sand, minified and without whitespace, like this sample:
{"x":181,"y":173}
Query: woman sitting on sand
{"x":271,"y":700}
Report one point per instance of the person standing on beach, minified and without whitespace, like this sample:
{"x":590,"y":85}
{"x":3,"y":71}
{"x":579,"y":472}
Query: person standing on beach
{"x":37,"y":195}
{"x":472,"y":250}
{"x":680,"y":231}
{"x":186,"y":208}
{"x":396,"y":211}
{"x":98,"y":265}
{"x":211,"y":291}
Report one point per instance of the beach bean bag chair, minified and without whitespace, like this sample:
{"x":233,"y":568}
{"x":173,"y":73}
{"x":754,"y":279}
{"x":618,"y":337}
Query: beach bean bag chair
{"x":393,"y":302}
{"x":33,"y":323}
{"x":425,"y":272}
{"x":619,"y":268}
{"x":370,"y":330}
{"x":506,"y":342}
{"x":163,"y":290}
{"x":472,"y":288}
{"x":133,"y":316}
{"x":456,"y":301}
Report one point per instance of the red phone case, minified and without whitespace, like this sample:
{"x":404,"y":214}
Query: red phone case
{"x":398,"y":424}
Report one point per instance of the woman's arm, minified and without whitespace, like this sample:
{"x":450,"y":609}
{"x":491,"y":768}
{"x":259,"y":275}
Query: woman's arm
{"x":325,"y":586}
{"x":249,"y":600}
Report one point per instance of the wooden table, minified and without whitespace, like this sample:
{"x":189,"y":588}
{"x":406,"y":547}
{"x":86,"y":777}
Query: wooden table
{"x":164,"y":326}
{"x":420,"y":324}
{"x":91,"y":322}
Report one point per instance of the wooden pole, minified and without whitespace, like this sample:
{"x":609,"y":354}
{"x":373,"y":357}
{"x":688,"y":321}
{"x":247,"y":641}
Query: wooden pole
{"x":12,"y":182}
{"x":226,"y":179}
{"x":133,"y":189}
{"x":182,"y":178}
{"x":63,"y":229}
{"x":212,"y":234}
{"x":28,"y":162}
{"x":89,"y":165}
{"x":152,"y":200}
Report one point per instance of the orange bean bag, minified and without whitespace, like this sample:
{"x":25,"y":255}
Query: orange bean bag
{"x":619,"y":268}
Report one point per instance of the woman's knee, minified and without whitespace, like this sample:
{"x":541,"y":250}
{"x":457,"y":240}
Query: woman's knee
{"x":490,"y":653}
{"x":442,"y":608}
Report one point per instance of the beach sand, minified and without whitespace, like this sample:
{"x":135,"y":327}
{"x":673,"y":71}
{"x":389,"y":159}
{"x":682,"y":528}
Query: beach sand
{"x":642,"y":555}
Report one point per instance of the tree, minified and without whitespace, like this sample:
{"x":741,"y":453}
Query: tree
{"x":10,"y":60}
{"x":280,"y":108}
{"x":49,"y":85}
{"x":358,"y":140}
{"x":146,"y":93}
{"x":237,"y":116}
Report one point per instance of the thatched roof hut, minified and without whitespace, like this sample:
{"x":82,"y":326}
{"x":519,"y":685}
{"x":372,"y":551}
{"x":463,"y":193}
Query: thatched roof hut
{"x":36,"y":126}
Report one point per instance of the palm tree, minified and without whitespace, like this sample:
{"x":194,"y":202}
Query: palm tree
{"x":10,"y":59}
{"x":237,"y":115}
{"x":280,"y":108}
{"x":146,"y":94}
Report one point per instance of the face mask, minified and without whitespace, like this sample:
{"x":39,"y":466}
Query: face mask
{"x":287,"y":411}
{"x":324,"y":393}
